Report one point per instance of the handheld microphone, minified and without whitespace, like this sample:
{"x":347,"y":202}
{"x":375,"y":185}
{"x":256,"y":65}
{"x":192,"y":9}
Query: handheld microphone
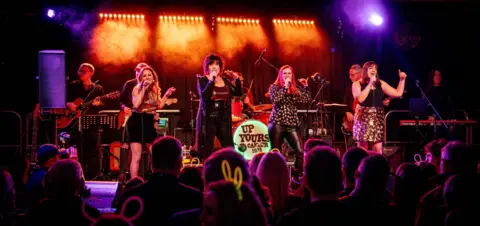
{"x":417,"y":83}
{"x":261,"y":56}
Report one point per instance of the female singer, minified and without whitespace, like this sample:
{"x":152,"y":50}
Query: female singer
{"x":368,"y":122}
{"x":284,"y":122}
{"x":146,"y":99}
{"x":214,"y":116}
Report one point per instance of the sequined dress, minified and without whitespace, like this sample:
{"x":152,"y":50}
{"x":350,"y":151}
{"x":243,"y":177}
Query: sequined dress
{"x":368,"y":121}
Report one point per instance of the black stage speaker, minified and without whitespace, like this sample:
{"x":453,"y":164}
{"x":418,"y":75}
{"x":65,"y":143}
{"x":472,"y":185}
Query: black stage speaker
{"x":51,"y":79}
{"x":394,"y":155}
{"x":185,"y":135}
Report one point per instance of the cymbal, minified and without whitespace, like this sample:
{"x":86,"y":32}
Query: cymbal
{"x":263,"y":107}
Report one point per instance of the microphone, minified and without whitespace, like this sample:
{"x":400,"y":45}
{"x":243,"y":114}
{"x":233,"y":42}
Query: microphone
{"x":417,"y":83}
{"x":261,"y":56}
{"x":192,"y":94}
{"x":317,"y":78}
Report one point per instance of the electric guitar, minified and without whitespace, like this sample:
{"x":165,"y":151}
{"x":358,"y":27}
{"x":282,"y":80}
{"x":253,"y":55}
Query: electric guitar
{"x":67,"y":120}
{"x":123,"y":118}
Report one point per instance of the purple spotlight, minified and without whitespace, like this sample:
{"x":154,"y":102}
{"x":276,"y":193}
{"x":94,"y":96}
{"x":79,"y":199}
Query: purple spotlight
{"x":51,"y":13}
{"x":376,"y":19}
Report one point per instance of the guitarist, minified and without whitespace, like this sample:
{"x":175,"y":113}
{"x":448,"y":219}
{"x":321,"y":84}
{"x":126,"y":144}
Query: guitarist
{"x":354,"y":74}
{"x":85,"y":88}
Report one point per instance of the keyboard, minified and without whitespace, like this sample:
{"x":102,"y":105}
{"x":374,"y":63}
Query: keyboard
{"x":171,"y":111}
{"x":437,"y":122}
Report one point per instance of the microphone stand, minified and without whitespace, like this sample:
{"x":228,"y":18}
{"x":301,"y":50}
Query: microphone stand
{"x":191,"y":117}
{"x":269,"y":64}
{"x":310,"y":106}
{"x":435,"y":111}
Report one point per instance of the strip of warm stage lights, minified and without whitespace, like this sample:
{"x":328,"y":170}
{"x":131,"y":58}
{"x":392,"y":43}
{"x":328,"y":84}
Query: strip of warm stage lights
{"x":237,"y":20}
{"x":184,"y":18}
{"x":299,"y":22}
{"x":121,"y":16}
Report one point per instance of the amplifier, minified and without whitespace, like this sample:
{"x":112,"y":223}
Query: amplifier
{"x":185,"y":135}
{"x":394,"y":155}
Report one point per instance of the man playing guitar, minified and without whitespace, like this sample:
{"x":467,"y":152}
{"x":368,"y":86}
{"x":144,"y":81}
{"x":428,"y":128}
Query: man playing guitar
{"x":89,"y":91}
{"x":354,"y":74}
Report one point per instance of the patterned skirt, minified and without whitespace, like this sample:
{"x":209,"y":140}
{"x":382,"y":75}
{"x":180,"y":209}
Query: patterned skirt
{"x":368,"y":124}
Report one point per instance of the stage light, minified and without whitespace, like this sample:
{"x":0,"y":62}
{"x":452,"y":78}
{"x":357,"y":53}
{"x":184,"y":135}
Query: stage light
{"x":238,"y":20}
{"x":180,"y":18}
{"x":376,"y":19}
{"x":121,"y":16}
{"x":296,"y":22}
{"x":50,"y":13}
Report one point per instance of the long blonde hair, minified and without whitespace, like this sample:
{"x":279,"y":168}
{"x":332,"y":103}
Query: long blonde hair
{"x":273,"y":173}
{"x":156,"y":86}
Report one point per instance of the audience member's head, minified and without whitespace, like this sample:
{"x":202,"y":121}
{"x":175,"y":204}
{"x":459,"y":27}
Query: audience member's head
{"x":457,"y":157}
{"x":212,"y":167}
{"x":428,"y":169}
{"x":372,"y":174}
{"x":314,"y":142}
{"x":192,"y":177}
{"x":167,"y":155}
{"x":435,"y":149}
{"x":462,"y":191}
{"x":410,"y":184}
{"x":323,"y":171}
{"x":225,"y":204}
{"x":47,"y":155}
{"x":351,"y":160}
{"x":253,"y":164}
{"x":273,"y":173}
{"x":64,"y":179}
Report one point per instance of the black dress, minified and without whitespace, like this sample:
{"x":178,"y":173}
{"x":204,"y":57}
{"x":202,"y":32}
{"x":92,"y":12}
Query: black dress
{"x":368,"y":122}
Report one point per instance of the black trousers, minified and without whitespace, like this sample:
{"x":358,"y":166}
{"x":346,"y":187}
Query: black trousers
{"x":217,"y":125}
{"x":278,"y":133}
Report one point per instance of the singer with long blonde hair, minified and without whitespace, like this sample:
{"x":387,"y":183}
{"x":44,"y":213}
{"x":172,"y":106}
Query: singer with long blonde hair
{"x":369,"y":91}
{"x":146,"y":99}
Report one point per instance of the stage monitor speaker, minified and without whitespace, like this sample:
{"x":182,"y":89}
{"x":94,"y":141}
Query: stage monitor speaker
{"x":52,"y":80}
{"x":185,"y":135}
{"x":394,"y":156}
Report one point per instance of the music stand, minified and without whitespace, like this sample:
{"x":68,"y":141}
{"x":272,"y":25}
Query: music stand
{"x":417,"y":109}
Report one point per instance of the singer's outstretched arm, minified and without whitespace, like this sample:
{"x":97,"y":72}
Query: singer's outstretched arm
{"x":390,"y":91}
{"x":277,"y":93}
{"x":359,"y":94}
{"x":305,"y":97}
{"x":205,"y":88}
{"x":237,"y":89}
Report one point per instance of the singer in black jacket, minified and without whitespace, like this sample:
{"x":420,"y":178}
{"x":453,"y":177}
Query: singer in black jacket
{"x":214,"y":116}
{"x":284,"y":122}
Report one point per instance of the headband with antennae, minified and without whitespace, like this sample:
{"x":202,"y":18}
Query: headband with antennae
{"x":122,"y":212}
{"x":418,"y":158}
{"x":237,"y":178}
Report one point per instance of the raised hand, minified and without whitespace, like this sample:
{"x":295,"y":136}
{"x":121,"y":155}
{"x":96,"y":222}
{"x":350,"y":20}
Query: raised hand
{"x":402,"y":74}
{"x":170,"y":91}
{"x":303,"y":81}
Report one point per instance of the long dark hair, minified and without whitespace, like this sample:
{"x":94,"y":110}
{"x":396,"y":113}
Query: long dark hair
{"x":365,"y":79}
